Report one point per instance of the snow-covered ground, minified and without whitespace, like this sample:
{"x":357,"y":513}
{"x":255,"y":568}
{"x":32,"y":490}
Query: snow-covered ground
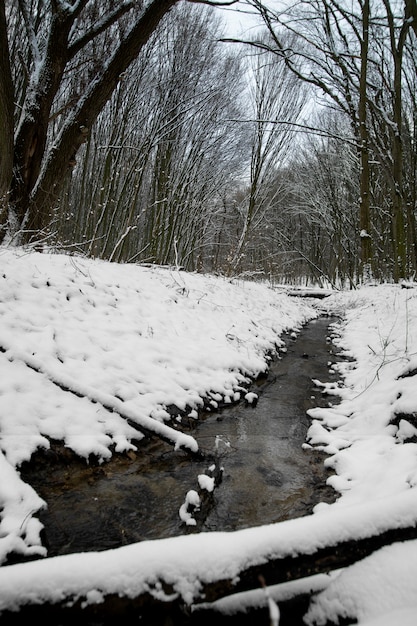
{"x":93,"y":353}
{"x":371,"y":439}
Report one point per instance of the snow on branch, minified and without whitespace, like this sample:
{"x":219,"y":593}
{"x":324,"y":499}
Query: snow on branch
{"x":30,"y":31}
{"x":70,"y":9}
{"x":204,"y":567}
{"x":100,"y":27}
{"x":145,"y":424}
{"x":214,"y":4}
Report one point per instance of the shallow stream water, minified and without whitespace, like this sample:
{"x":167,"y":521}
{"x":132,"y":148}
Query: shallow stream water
{"x":267,"y":475}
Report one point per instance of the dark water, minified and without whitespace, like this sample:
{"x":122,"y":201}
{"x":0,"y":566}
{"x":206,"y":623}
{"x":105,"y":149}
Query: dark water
{"x":267,"y":475}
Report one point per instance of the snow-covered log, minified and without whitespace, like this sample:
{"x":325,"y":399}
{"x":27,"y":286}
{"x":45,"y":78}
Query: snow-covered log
{"x":191,"y":569}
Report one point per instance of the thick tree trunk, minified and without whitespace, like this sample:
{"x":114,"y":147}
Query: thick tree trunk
{"x":6,"y":118}
{"x":32,"y":130}
{"x":399,"y":225}
{"x":61,"y":158}
{"x":39,"y":174}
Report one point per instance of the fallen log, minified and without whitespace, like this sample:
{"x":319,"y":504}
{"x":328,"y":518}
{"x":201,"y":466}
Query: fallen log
{"x":171,"y":576}
{"x":310,"y":292}
{"x":323,"y":561}
{"x":154,"y":612}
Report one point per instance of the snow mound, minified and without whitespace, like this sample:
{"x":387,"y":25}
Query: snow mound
{"x":381,"y":589}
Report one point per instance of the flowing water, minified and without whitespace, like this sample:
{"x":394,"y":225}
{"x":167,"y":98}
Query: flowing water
{"x":267,"y":476}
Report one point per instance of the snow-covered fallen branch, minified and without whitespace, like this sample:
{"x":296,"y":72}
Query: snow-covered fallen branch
{"x":144,"y":424}
{"x":204,"y":566}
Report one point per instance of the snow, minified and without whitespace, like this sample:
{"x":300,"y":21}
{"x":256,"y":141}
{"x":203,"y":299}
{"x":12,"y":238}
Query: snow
{"x":251,"y":398}
{"x":361,"y":591}
{"x":192,"y":499}
{"x":187,"y":562}
{"x":362,"y":433}
{"x":93,"y":354}
{"x":206,"y":482}
{"x":370,"y":439}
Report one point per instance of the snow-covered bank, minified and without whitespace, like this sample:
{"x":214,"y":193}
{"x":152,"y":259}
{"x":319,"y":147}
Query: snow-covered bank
{"x":90,"y":352}
{"x":371,"y":439}
{"x":371,"y":434}
{"x":86,"y":344}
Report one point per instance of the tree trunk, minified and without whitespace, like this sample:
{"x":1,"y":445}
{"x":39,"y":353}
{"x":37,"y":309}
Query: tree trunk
{"x":32,"y":131}
{"x":411,"y":13}
{"x":399,"y":234}
{"x":61,"y":158}
{"x":6,"y":118}
{"x":398,"y":219}
{"x":364,"y":217}
{"x":152,"y":608}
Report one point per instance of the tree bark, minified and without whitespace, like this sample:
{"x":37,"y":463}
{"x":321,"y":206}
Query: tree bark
{"x":6,"y":117}
{"x":365,"y":221}
{"x":398,"y":217}
{"x":411,"y":13}
{"x":61,"y":157}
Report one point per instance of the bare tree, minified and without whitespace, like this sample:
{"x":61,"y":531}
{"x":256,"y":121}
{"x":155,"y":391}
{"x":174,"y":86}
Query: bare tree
{"x":59,"y":46}
{"x":397,"y":47}
{"x":160,"y":158}
{"x":322,"y":219}
{"x":339,"y":48}
{"x":364,"y":212}
{"x":276,"y":101}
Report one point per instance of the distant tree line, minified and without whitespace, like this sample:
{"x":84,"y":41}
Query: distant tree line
{"x":361,"y":57}
{"x":137,"y":134}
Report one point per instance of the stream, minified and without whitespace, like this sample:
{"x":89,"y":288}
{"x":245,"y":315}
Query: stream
{"x":267,"y":476}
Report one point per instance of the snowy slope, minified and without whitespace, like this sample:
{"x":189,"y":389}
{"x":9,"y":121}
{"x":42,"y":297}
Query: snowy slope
{"x":90,"y":352}
{"x":371,"y":439}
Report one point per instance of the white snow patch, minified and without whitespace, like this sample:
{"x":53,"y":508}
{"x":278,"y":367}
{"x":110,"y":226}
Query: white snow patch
{"x":206,"y":482}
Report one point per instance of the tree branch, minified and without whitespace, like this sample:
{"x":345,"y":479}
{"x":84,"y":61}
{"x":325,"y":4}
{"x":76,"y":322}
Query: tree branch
{"x":30,"y":31}
{"x":99,"y":28}
{"x":299,"y":128}
{"x":214,"y":4}
{"x":73,"y":134}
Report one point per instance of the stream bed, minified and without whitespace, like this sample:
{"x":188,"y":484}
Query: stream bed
{"x":267,"y":476}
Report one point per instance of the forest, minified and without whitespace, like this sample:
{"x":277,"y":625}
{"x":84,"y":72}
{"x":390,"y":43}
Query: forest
{"x":143,"y":132}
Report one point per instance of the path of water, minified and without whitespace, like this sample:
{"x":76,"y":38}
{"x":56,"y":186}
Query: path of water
{"x":267,"y":476}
